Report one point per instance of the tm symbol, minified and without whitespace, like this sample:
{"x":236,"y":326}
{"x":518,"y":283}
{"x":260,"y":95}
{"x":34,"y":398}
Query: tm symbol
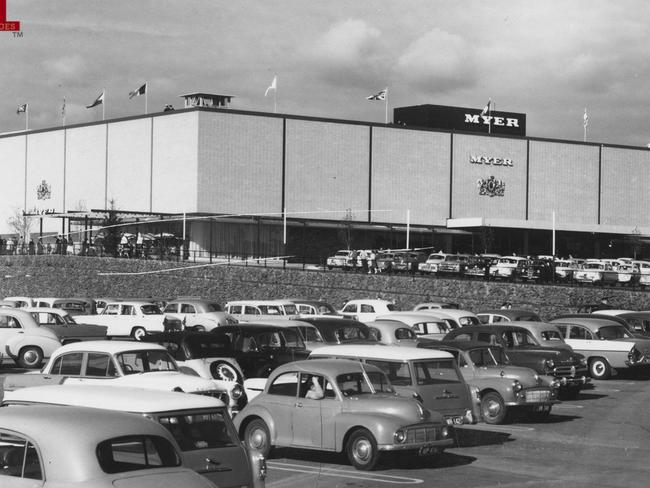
{"x":18,"y":34}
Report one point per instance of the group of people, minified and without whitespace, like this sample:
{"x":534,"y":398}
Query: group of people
{"x":368,"y":260}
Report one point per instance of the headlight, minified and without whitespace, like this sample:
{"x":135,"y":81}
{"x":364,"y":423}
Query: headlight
{"x":516,"y":386}
{"x":445,"y":432}
{"x":236,"y":392}
{"x":583,"y":361}
{"x":556,"y":383}
{"x":550,"y":364}
{"x":400,"y":437}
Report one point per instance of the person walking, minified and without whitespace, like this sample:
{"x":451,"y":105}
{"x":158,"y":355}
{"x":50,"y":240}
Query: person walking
{"x":363,"y":256}
{"x":373,"y":262}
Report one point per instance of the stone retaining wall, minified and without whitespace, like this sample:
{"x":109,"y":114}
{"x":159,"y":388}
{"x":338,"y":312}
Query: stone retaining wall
{"x":110,"y":277}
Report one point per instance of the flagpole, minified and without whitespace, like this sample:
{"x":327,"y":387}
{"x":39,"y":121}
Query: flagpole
{"x":386,"y":103}
{"x":584,"y":123}
{"x":104,"y":104}
{"x":146,"y":97}
{"x":26,"y":117}
{"x":63,"y":114}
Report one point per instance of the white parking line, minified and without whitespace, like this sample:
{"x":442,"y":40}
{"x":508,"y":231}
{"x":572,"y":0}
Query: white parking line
{"x":566,"y":405}
{"x":342,"y":473}
{"x":498,"y":428}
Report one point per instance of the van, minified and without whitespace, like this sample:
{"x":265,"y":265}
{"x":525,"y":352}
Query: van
{"x":431,"y":376}
{"x":200,"y":424}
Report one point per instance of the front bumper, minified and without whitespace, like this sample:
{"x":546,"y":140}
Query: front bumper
{"x":570,"y":375}
{"x":429,"y":437}
{"x":534,"y":396}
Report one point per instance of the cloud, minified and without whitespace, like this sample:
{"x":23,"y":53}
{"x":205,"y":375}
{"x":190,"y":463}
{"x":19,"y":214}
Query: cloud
{"x":438,"y":59}
{"x":66,"y":68}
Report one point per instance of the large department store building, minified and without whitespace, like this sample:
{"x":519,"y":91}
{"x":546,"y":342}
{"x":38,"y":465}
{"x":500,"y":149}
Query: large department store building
{"x":260,"y":184}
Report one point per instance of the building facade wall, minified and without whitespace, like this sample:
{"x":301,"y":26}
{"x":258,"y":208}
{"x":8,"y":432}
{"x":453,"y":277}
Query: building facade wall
{"x":85,"y":167}
{"x":327,"y":170}
{"x":492,"y":153}
{"x":239,"y":164}
{"x":564,"y":178}
{"x":626,"y":189}
{"x":410,"y":172}
{"x":12,"y":168}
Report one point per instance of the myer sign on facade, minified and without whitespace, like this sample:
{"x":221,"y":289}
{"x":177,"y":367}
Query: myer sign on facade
{"x":461,"y":119}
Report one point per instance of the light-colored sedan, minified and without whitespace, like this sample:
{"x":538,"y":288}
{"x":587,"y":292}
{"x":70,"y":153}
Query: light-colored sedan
{"x":425,"y":325}
{"x":198,"y":314}
{"x":23,"y":340}
{"x":393,"y":332}
{"x":73,"y":447}
{"x":339,"y":405}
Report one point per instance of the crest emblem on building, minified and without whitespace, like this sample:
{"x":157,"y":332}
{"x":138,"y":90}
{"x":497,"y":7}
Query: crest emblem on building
{"x":491,"y":187}
{"x":44,"y":191}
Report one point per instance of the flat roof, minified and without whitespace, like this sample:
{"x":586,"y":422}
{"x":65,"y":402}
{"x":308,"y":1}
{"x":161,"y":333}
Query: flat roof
{"x":392,"y":353}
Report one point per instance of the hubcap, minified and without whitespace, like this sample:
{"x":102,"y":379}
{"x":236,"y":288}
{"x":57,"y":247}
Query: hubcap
{"x":258,"y":439}
{"x":31,"y":357}
{"x":599,"y":368}
{"x":226,"y":373}
{"x":492,"y":408}
{"x":362,"y":451}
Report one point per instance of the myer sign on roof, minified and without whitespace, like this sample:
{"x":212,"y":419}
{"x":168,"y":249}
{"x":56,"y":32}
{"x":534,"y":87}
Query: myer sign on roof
{"x":461,"y":119}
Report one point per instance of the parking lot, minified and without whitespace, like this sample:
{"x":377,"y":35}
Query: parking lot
{"x":600,"y":439}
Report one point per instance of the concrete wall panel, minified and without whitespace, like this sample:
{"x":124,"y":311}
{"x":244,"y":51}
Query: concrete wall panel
{"x":85,"y":163}
{"x":410,"y":171}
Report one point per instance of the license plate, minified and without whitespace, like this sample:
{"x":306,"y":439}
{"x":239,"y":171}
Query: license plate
{"x":427,"y":450}
{"x":454,"y":420}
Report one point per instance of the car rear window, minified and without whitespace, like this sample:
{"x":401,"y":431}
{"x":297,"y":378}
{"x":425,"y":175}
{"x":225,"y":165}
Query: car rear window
{"x":133,"y":453}
{"x":436,"y":371}
{"x":196,"y":431}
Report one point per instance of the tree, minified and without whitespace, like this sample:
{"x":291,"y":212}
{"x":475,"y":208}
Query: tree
{"x":111,"y":228}
{"x":21,"y":224}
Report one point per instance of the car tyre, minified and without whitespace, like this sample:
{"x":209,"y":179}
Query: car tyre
{"x":222,"y":370}
{"x":257,"y":437}
{"x":30,"y":357}
{"x":361,"y":450}
{"x":493,"y":408}
{"x":600,"y":369}
{"x":138,"y":333}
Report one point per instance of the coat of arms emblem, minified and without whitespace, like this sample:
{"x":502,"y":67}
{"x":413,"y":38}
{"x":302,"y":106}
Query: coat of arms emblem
{"x":44,"y":191}
{"x":491,"y":187}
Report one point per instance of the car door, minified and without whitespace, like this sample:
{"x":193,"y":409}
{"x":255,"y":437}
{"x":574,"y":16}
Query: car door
{"x":280,"y":400}
{"x":9,"y":327}
{"x":306,"y":416}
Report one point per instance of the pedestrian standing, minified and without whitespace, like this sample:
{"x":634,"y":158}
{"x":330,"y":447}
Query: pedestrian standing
{"x":373,"y":262}
{"x":363,"y":256}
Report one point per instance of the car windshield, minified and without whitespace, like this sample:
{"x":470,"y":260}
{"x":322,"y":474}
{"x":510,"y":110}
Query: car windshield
{"x":133,"y":453}
{"x":436,"y":371}
{"x":392,"y":307}
{"x":594,"y":266}
{"x":488,"y":356}
{"x":361,"y":383}
{"x":195,"y":431}
{"x":398,"y":372}
{"x":275,"y":338}
{"x":612,"y":332}
{"x":146,"y":361}
{"x":468,"y":320}
{"x":150,"y":309}
{"x":350,"y":333}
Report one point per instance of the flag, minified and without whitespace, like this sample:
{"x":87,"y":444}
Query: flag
{"x":98,"y":101}
{"x":140,"y":91}
{"x":487,"y":108}
{"x":585,"y":119}
{"x":378,"y":96}
{"x":22,"y":108}
{"x":272,"y":86}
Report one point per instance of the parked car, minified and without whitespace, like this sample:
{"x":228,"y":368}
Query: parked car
{"x":638,"y":321}
{"x":559,"y":360}
{"x":201,"y":425}
{"x":491,"y":316}
{"x":350,"y":409}
{"x":425,"y":325}
{"x":591,"y":272}
{"x":198,"y":314}
{"x":119,"y":363}
{"x":454,"y":264}
{"x":430,"y":266}
{"x":340,"y":331}
{"x":509,"y":268}
{"x":393,"y":332}
{"x":23,"y":340}
{"x":314,"y":307}
{"x":366,"y":310}
{"x":408,"y":261}
{"x":256,"y":310}
{"x":133,"y":319}
{"x":209,"y":356}
{"x":503,"y":388}
{"x":21,"y":302}
{"x":608,"y":346}
{"x":64,"y":326}
{"x":427,"y":375}
{"x":50,"y":446}
{"x":74,"y":306}
{"x":456,"y":318}
{"x":259,"y":348}
{"x":434,"y":305}
{"x":341,"y":259}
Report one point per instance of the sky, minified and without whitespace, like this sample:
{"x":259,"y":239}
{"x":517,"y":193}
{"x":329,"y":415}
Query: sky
{"x":548,"y":59}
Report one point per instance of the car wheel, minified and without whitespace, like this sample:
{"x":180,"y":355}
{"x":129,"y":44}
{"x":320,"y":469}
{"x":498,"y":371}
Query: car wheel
{"x":600,"y":369}
{"x":493,"y":408}
{"x":258,"y":437}
{"x":224,"y":371}
{"x":361,"y":450}
{"x":30,"y":357}
{"x":138,"y":333}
